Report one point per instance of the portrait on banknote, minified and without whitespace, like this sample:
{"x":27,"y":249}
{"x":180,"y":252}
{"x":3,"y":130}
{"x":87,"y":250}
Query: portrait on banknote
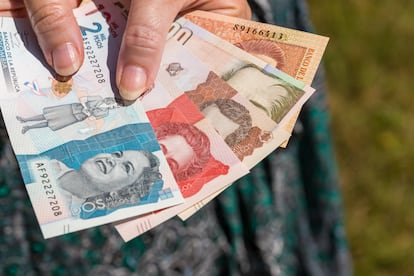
{"x":104,"y":172}
{"x":109,"y":180}
{"x":186,"y":147}
{"x":272,"y":95}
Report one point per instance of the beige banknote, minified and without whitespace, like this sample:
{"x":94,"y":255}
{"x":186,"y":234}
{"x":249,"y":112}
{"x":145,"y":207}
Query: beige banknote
{"x":278,"y":94}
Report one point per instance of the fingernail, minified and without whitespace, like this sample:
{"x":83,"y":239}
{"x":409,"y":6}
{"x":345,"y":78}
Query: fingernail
{"x":66,"y":60}
{"x":133,"y":82}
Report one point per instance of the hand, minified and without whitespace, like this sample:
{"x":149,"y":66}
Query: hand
{"x":56,"y":29}
{"x":143,"y":42}
{"x":145,"y":37}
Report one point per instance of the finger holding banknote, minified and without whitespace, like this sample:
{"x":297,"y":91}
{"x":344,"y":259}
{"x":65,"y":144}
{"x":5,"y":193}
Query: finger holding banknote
{"x":12,"y":8}
{"x":144,"y":38}
{"x":58,"y":33}
{"x":143,"y":43}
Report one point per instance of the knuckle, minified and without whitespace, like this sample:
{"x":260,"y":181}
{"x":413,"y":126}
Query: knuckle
{"x":143,"y":38}
{"x":239,"y":8}
{"x":242,"y":10}
{"x":48,"y":17}
{"x":247,"y":12}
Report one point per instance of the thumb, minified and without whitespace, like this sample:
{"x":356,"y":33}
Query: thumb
{"x":58,"y":34}
{"x":142,"y":45}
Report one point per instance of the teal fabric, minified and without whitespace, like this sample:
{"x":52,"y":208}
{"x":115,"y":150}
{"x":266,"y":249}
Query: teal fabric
{"x":284,"y":218}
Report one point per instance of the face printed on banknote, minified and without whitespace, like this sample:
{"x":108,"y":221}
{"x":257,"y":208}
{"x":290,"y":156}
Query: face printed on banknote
{"x":85,"y":159}
{"x":107,"y":172}
{"x":269,"y":94}
{"x":186,"y":148}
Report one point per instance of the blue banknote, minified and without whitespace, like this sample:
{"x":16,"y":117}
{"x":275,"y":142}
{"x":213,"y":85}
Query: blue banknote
{"x":86,"y":157}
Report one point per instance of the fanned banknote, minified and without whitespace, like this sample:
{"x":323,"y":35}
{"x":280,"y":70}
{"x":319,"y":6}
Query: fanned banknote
{"x":250,"y":143}
{"x":294,"y":52}
{"x":174,"y":68}
{"x":200,"y":159}
{"x":56,"y":149}
{"x":249,"y":132}
{"x":145,"y":222}
{"x":279,"y":95}
{"x":86,"y":159}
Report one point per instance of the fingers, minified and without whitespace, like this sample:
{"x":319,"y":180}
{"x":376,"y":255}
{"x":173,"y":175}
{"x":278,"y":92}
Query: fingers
{"x":237,"y":8}
{"x":11,"y":5}
{"x":145,"y":37}
{"x":143,"y":44}
{"x":58,"y":33}
{"x":12,"y":8}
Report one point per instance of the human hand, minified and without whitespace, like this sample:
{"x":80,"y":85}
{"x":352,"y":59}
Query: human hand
{"x":56,"y":30}
{"x":143,"y":41}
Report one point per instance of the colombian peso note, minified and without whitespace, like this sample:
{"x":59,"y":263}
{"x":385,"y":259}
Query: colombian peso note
{"x":294,"y":52}
{"x":86,"y":158}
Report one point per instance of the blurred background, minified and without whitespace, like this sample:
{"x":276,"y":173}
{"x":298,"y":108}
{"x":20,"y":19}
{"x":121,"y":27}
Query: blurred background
{"x":370,"y":73}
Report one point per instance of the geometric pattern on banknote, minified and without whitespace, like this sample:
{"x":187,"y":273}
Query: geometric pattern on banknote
{"x":213,"y":88}
{"x":214,"y":91}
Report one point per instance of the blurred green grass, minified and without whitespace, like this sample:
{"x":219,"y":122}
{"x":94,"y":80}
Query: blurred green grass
{"x":370,"y":75}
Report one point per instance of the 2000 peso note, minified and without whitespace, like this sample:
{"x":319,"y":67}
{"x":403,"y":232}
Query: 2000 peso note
{"x":86,"y":159}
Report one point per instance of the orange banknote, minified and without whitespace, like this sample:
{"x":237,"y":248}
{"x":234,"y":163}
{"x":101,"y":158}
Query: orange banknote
{"x":296,"y":53}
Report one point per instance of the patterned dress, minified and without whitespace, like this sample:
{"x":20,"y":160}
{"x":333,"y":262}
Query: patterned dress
{"x":61,"y":116}
{"x":284,"y":218}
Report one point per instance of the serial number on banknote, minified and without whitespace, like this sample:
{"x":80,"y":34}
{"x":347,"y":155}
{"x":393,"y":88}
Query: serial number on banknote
{"x":93,"y":61}
{"x":46,"y":182}
{"x":260,"y":32}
